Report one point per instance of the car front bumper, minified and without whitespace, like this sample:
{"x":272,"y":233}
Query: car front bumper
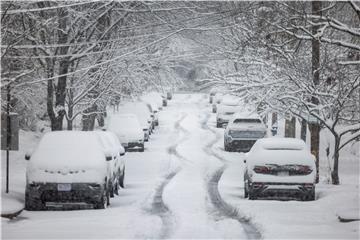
{"x":78,"y":194}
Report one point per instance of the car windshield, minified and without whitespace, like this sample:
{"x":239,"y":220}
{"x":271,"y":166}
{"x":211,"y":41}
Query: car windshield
{"x":247,"y":120}
{"x":228,"y":113}
{"x":246,"y":134}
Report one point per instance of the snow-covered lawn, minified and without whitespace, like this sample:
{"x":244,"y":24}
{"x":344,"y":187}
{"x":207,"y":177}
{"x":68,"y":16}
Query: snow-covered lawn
{"x":172,"y":191}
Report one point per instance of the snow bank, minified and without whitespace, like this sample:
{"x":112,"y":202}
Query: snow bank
{"x":11,"y":203}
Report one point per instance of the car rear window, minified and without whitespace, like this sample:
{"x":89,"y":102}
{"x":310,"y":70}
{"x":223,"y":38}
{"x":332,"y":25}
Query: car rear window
{"x":248,"y":120}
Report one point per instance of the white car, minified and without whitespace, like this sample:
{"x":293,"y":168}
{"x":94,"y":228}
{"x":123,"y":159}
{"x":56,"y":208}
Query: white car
{"x":278,"y":168}
{"x":212,"y":94}
{"x":226,"y":109}
{"x":113,"y":147}
{"x":217,"y":98}
{"x":153,"y":108}
{"x":242,"y":131}
{"x":68,"y":168}
{"x":128,"y":130}
{"x":143,"y":113}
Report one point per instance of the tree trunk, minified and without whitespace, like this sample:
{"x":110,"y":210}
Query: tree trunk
{"x":60,"y":93}
{"x":88,"y":118}
{"x":290,"y":128}
{"x":303,"y":130}
{"x":314,"y":127}
{"x":315,"y":138}
{"x":70,"y":115}
{"x":335,"y":172}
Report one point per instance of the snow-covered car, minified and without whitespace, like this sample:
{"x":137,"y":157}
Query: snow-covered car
{"x":278,"y":168}
{"x":153,"y":108}
{"x":212,"y":94}
{"x":226,"y":109}
{"x":143,"y":114}
{"x":242,"y":131}
{"x":67,"y":168}
{"x":164,"y":101}
{"x":216,"y":101}
{"x":128,"y":130}
{"x":112,"y":147}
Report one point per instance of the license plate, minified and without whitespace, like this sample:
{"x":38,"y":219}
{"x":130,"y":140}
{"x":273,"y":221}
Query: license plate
{"x":64,"y":187}
{"x":283,"y":173}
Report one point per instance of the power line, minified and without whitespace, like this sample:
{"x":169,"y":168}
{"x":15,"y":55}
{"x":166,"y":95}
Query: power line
{"x":45,"y":8}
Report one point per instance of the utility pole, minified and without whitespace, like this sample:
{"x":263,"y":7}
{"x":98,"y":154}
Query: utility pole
{"x":315,"y":127}
{"x":8,"y":135}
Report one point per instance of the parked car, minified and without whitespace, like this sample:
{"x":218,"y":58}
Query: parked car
{"x":143,"y":114}
{"x":242,"y":131}
{"x":128,"y":130}
{"x":216,"y":101}
{"x":226,"y":109}
{"x":113,"y":147}
{"x":68,"y":168}
{"x":211,"y":95}
{"x":164,"y":101}
{"x":153,"y":108}
{"x":280,"y":167}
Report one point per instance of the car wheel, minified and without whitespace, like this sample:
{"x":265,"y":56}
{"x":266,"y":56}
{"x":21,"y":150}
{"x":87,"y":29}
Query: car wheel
{"x":310,"y":197}
{"x":112,"y":190}
{"x":103,"y":201}
{"x":122,"y":179}
{"x":246,"y":192}
{"x":142,"y":148}
{"x":252,"y":195}
{"x":108,"y":196}
{"x":218,"y":125}
{"x":116,"y":190}
{"x":33,"y":204}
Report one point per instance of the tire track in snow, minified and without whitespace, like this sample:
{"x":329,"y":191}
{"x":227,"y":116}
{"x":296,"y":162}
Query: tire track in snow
{"x":158,"y":207}
{"x":222,"y":207}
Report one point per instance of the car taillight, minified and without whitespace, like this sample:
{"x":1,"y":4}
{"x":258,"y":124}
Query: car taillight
{"x":304,"y":170}
{"x":262,"y":169}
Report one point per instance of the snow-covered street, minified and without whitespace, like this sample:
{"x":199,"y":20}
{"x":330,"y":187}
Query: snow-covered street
{"x":185,"y":186}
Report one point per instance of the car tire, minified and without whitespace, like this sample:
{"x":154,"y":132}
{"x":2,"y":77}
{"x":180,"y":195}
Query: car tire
{"x":252,"y":196}
{"x":310,"y":197}
{"x":33,"y":204}
{"x":218,"y":125}
{"x":116,"y":190}
{"x":103,"y":201}
{"x":122,"y":179}
{"x":246,"y":192}
{"x":142,"y":148}
{"x":112,"y":190}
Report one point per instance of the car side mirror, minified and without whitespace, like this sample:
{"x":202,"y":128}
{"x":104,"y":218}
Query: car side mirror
{"x":27,"y":156}
{"x":122,"y":153}
{"x":108,"y":158}
{"x":244,"y":160}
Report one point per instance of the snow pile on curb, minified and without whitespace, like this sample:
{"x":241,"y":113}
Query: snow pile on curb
{"x":10,"y":205}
